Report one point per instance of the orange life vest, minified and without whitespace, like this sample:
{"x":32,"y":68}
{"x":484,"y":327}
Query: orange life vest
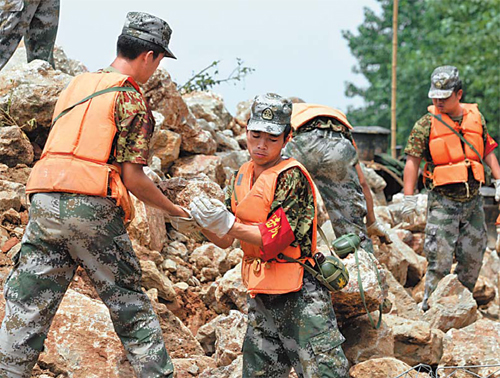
{"x":75,"y":156}
{"x":448,"y":155}
{"x":251,"y":205}
{"x":303,"y":113}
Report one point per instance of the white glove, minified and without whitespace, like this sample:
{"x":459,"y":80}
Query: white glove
{"x":212,"y":215}
{"x":497,"y":189}
{"x":497,"y":244}
{"x":185,"y":225}
{"x":409,"y":208}
{"x":376,"y":228}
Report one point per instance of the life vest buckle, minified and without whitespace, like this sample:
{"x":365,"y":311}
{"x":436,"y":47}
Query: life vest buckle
{"x":256,"y":265}
{"x":467,"y":162}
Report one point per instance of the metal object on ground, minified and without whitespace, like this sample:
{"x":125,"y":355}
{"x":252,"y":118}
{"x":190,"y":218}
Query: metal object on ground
{"x":470,"y":371}
{"x":490,"y":214}
{"x":370,"y":140}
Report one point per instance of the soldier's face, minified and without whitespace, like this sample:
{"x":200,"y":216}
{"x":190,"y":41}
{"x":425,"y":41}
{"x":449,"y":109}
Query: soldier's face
{"x":448,"y":105}
{"x":264,"y":148}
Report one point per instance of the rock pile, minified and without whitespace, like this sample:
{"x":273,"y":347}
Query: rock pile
{"x":196,"y":287}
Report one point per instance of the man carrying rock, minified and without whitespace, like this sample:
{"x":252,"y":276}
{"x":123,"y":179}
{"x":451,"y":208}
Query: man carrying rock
{"x":453,"y":140}
{"x":271,"y":208}
{"x":94,"y":155}
{"x":35,"y":20}
{"x":323,"y":143}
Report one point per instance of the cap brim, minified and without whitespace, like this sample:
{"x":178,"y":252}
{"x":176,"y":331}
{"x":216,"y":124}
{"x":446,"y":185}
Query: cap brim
{"x":439,"y":93}
{"x":169,"y":54}
{"x":266,"y":127}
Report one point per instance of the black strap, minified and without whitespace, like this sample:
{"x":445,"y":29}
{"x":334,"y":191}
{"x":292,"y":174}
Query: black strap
{"x":95,"y":94}
{"x":440,"y":119}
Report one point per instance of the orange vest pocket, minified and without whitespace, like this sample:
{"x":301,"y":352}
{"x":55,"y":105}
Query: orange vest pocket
{"x":271,"y":277}
{"x":450,"y":174}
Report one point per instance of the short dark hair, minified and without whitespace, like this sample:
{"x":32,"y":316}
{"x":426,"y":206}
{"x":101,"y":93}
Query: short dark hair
{"x":130,"y":47}
{"x":459,"y":86}
{"x":287,"y":131}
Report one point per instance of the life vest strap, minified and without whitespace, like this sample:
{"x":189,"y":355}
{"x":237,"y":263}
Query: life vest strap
{"x":95,"y":94}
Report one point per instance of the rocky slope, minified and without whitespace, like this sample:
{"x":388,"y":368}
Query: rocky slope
{"x":195,"y":286}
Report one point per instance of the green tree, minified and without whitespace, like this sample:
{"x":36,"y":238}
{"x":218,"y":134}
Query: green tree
{"x":431,"y":33}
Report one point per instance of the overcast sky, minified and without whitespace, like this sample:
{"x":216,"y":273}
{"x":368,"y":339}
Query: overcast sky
{"x":296,"y":47}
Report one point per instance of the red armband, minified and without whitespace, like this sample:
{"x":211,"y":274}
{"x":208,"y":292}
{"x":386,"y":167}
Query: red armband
{"x":276,"y":235}
{"x":490,"y":145}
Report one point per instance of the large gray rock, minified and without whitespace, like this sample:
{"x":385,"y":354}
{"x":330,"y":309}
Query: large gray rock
{"x":230,"y":332}
{"x":82,"y":342}
{"x":12,"y":196}
{"x":363,"y":342}
{"x":192,"y":366}
{"x":162,"y":95}
{"x":230,"y":289}
{"x":165,"y":145}
{"x":476,"y":344}
{"x":210,"y":107}
{"x":234,"y":370}
{"x":15,"y":147}
{"x":209,"y":258}
{"x":234,"y":159}
{"x":385,"y":367}
{"x":62,"y":63}
{"x":347,"y":302}
{"x":67,"y":65}
{"x":30,"y":92}
{"x":406,"y":266}
{"x":451,"y":305}
{"x":243,"y":109}
{"x":153,"y":278}
{"x":225,"y":140}
{"x":19,"y":173}
{"x":199,"y":166}
{"x":415,"y":342}
{"x":148,"y":226}
{"x":403,"y":304}
{"x":182,"y":191}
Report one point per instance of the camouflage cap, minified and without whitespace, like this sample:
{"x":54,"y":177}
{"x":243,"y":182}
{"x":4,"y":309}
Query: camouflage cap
{"x":270,"y":113}
{"x":149,"y":28}
{"x":443,"y":81}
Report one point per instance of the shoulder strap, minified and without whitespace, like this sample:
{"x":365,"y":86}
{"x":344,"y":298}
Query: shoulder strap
{"x":95,"y":94}
{"x":440,"y":119}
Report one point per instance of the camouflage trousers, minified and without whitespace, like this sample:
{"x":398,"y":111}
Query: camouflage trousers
{"x":296,"y":330}
{"x":454,"y":229}
{"x":66,"y":231}
{"x":36,"y":21}
{"x":331,"y":158}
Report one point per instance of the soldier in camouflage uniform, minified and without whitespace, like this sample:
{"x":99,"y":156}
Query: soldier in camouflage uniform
{"x":326,"y":148}
{"x":68,"y":230}
{"x":455,"y":219}
{"x":36,"y":21}
{"x":295,"y":329}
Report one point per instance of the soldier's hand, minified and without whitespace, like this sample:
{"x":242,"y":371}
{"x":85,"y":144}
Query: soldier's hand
{"x":185,"y":225}
{"x":497,"y":189}
{"x":409,"y":208}
{"x":377,"y":229}
{"x":212,"y":215}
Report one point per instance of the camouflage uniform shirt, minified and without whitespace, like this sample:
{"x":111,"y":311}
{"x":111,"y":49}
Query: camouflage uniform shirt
{"x":294,"y":194}
{"x":135,"y":124}
{"x":418,"y":146}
